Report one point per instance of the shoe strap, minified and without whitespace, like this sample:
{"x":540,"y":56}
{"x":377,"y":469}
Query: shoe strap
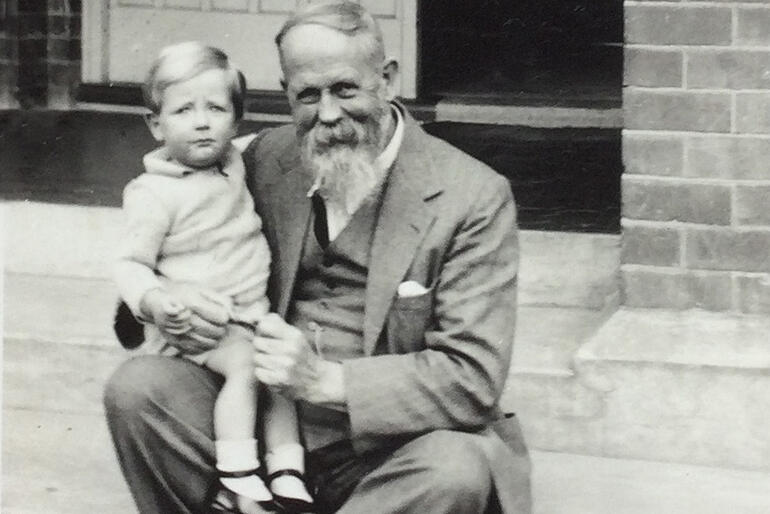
{"x":284,"y":473}
{"x":237,"y":474}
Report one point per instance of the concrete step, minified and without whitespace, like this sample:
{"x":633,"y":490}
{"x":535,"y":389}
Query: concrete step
{"x":566,"y":269}
{"x":687,"y":386}
{"x":557,"y":268}
{"x":542,"y":385}
{"x":59,"y":309}
{"x":690,"y":387}
{"x":57,"y":456}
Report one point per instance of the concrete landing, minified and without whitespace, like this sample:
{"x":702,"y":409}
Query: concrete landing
{"x":577,"y":484}
{"x":56,"y":452}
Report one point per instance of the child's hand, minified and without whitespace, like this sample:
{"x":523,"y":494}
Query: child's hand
{"x":167,"y":312}
{"x":177,"y":317}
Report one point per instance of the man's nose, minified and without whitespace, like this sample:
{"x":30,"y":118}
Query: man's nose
{"x":329,"y":111}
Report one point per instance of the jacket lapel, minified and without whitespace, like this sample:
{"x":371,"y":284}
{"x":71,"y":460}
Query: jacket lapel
{"x":403,"y":221}
{"x":291,"y":208}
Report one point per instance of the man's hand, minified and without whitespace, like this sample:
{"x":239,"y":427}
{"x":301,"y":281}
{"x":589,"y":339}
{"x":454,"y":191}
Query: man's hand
{"x":285,"y":361}
{"x":209,"y":314}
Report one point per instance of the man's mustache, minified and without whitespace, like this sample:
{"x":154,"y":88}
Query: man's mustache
{"x":324,"y":137}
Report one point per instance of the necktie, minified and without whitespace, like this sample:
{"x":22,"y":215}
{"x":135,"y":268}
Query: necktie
{"x":320,"y":225}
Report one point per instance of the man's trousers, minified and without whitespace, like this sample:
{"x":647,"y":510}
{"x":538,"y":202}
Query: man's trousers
{"x":160,"y":414}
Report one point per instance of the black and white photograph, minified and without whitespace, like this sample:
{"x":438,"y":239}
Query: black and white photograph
{"x":385,"y":256}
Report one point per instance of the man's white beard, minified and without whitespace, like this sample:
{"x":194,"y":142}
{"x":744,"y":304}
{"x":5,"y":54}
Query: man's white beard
{"x":344,"y":164}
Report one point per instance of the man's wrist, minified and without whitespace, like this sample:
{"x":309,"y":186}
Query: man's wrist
{"x":328,"y":389}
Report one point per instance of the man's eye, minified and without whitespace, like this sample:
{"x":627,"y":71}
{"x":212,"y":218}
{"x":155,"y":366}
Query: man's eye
{"x":345,"y":89}
{"x":309,"y":96}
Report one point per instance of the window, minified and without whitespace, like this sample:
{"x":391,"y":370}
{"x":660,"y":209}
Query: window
{"x":523,"y":52}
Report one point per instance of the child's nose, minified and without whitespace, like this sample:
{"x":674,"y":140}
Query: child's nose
{"x":201,"y":118}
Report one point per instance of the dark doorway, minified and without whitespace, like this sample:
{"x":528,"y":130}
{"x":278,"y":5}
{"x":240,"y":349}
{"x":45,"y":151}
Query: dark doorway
{"x":523,"y":52}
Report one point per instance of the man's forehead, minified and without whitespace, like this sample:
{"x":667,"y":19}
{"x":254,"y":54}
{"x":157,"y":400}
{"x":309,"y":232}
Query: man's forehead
{"x":326,"y":76}
{"x":313,"y":42}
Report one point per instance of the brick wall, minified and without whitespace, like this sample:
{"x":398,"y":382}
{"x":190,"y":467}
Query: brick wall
{"x":696,"y":149}
{"x":40,"y":52}
{"x":9,"y":53}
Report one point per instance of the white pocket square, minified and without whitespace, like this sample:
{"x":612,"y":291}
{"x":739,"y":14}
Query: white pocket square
{"x":411,"y":288}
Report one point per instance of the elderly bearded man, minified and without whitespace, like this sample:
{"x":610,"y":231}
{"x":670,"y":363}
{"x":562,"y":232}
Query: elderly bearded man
{"x":395,"y":263}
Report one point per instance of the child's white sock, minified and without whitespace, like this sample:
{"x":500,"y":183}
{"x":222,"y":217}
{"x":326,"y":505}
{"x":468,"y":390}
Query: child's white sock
{"x":241,"y":455}
{"x":288,"y":456}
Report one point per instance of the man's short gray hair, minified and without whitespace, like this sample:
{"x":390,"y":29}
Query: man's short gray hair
{"x":346,"y":17}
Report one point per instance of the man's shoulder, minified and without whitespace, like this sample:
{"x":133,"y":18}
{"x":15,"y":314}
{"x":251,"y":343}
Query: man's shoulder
{"x":273,"y":141}
{"x":456,"y":169}
{"x":267,"y":149}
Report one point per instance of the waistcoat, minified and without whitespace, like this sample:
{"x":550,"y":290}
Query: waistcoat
{"x":328,"y":304}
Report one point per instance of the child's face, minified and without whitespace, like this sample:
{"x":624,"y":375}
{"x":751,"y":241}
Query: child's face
{"x":196,"y":120}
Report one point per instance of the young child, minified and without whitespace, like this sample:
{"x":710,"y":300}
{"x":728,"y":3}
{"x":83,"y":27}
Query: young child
{"x":190,"y":218}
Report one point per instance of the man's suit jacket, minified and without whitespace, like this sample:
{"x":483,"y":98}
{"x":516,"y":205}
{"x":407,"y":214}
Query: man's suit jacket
{"x":434,"y":361}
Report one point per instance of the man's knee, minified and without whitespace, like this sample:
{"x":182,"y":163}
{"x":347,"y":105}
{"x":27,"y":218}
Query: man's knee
{"x":143,"y":382}
{"x":454,"y":466}
{"x":131,"y":386}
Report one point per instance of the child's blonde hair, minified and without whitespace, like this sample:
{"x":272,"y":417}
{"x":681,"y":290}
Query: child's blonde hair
{"x":183,"y":61}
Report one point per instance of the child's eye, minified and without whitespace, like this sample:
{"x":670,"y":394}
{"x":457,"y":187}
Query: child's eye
{"x":182,"y":109}
{"x":217,"y":108}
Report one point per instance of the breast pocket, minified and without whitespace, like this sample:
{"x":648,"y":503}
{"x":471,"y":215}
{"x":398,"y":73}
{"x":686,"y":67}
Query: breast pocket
{"x":408,"y":320}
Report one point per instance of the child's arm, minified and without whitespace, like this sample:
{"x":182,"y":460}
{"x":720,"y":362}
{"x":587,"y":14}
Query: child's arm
{"x":147,"y":222}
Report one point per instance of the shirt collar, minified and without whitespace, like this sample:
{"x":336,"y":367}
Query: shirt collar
{"x":388,"y":156}
{"x":158,"y":162}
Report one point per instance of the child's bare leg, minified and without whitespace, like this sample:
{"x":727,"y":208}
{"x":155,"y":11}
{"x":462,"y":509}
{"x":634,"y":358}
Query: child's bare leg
{"x":235,"y":413}
{"x":284,"y":452}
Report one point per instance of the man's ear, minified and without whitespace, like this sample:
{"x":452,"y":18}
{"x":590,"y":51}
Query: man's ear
{"x":151,"y":119}
{"x":390,"y":74}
